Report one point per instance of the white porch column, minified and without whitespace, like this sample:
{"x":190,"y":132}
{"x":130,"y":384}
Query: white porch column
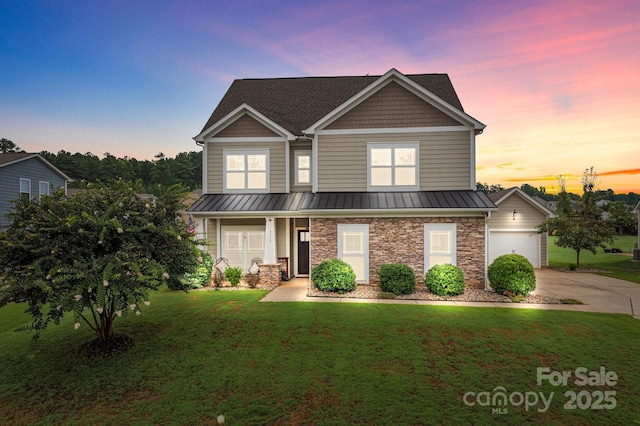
{"x":270,"y":242}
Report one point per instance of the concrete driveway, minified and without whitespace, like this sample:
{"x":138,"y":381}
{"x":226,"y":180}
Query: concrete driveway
{"x":597,"y":292}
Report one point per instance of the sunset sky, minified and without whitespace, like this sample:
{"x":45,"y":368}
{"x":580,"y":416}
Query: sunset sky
{"x":557,"y":82}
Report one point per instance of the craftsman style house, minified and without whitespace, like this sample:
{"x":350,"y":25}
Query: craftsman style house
{"x":368,"y":169}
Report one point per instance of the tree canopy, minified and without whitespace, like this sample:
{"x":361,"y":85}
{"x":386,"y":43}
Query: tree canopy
{"x":95,"y":255}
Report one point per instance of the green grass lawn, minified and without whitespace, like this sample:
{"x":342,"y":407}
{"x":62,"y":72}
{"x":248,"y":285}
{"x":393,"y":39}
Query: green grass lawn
{"x":618,"y":265}
{"x":202,"y":354}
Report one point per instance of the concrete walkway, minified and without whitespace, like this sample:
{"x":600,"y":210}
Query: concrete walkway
{"x":596,"y":292}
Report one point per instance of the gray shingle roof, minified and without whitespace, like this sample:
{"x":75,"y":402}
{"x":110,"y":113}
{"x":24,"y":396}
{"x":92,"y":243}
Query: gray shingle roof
{"x":297,"y":103}
{"x":342,"y":201}
{"x":14,"y":156}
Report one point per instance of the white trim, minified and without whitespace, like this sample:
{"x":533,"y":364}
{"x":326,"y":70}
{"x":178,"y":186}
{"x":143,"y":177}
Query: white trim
{"x":287,"y":167}
{"x":385,"y":130}
{"x":234,"y":115}
{"x":287,"y":242}
{"x":245,"y":152}
{"x":218,"y":239}
{"x":296,"y":154}
{"x":246,"y":140}
{"x":314,"y":167}
{"x":451,"y":227}
{"x":40,"y":194}
{"x":20,"y":191}
{"x":205,"y":152}
{"x":393,"y":146}
{"x":472,"y":141}
{"x":402,"y":80}
{"x":355,"y":228}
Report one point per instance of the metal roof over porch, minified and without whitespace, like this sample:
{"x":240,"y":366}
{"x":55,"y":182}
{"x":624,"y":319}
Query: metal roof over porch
{"x":342,"y":201}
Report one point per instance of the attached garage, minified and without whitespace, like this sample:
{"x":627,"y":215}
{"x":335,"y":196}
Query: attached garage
{"x":514,"y":227}
{"x":524,"y":243}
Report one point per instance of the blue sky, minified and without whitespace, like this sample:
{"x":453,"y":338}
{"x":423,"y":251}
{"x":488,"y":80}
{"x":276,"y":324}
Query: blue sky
{"x":555,"y":81}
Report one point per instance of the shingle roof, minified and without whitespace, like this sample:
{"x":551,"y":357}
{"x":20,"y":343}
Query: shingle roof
{"x":341,"y":201}
{"x":297,"y":103}
{"x":10,"y":157}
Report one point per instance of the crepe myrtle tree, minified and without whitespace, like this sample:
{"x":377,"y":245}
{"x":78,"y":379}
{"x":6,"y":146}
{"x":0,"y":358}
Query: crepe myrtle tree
{"x":96,"y":255}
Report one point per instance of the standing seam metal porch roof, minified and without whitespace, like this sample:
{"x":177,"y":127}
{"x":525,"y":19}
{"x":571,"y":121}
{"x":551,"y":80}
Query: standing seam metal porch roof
{"x":341,"y":201}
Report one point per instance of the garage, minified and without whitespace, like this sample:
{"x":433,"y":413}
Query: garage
{"x":526,"y":244}
{"x":514,"y":227}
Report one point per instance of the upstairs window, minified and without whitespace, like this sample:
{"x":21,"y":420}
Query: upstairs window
{"x":246,"y":171}
{"x":25,"y":189}
{"x":303,"y":168}
{"x":392,"y":167}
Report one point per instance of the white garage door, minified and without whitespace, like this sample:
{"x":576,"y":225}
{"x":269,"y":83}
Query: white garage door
{"x":523,"y":243}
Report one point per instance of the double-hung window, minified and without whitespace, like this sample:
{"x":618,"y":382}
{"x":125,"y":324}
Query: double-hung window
{"x":392,"y":166}
{"x":44,"y":188}
{"x":303,"y":168}
{"x":246,"y":171}
{"x":353,"y":248}
{"x":439,"y":244}
{"x":25,"y":189}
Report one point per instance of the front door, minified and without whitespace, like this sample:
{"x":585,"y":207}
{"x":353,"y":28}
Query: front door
{"x":303,"y":252}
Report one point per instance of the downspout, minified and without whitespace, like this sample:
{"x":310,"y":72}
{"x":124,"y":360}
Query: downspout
{"x":487,"y":217}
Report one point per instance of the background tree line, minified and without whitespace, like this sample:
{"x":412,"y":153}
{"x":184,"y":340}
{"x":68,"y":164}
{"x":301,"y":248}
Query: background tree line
{"x":161,"y":172}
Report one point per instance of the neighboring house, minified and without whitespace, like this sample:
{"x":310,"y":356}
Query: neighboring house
{"x":636,"y":211}
{"x":369,"y":169}
{"x":26,"y":175}
{"x":514,"y":227}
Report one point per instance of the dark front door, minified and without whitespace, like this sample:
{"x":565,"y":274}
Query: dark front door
{"x":303,"y":252}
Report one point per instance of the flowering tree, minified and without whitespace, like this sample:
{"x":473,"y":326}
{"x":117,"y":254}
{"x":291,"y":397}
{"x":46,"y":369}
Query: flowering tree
{"x":96,"y":254}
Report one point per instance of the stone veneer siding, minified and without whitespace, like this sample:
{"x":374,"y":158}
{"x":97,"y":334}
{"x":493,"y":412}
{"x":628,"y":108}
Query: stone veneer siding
{"x":401,"y":239}
{"x":270,"y":274}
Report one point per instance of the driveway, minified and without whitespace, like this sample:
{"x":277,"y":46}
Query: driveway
{"x":597,"y":292}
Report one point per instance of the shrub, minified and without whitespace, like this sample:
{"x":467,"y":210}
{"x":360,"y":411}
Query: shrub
{"x":197,"y":279}
{"x":233,"y":275}
{"x":512,"y":273}
{"x":252,"y":280}
{"x":397,"y":278}
{"x":445,"y":280}
{"x":334,"y":275}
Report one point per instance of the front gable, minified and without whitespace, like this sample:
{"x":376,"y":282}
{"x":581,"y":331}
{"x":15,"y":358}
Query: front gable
{"x":393,"y":106}
{"x":246,"y":126}
{"x":244,"y":122}
{"x":384,"y":99}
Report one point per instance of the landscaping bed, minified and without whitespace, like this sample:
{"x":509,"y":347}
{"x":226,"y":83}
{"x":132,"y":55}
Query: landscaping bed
{"x":422,"y":293}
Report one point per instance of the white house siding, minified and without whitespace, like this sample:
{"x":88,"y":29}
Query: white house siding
{"x":445,"y":160}
{"x":277,"y":165}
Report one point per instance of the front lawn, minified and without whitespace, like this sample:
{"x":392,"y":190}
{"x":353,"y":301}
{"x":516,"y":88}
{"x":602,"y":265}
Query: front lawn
{"x":617,"y":265}
{"x":202,"y":354}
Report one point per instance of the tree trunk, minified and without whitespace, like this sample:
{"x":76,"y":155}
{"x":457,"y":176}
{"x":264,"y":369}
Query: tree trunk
{"x":105,"y":329}
{"x":578,"y":260}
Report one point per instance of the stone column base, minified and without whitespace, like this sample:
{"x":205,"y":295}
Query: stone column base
{"x":270,"y":274}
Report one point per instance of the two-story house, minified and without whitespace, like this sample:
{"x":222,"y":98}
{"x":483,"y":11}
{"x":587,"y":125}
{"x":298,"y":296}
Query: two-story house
{"x":26,"y":175}
{"x":368,"y":169}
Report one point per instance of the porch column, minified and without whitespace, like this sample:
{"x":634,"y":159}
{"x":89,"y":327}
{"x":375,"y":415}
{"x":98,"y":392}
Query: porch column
{"x":270,"y":242}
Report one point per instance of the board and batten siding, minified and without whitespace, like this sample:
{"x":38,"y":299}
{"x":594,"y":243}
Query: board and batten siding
{"x":32,"y":169}
{"x":277,"y":166}
{"x":445,"y":160}
{"x":527,"y":218}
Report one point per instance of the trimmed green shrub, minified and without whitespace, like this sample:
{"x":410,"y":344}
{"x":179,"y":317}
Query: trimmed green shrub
{"x":233,"y":275}
{"x":334,"y":275}
{"x":201,"y":276}
{"x":512,"y":273}
{"x":397,"y":278}
{"x":445,"y":280}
